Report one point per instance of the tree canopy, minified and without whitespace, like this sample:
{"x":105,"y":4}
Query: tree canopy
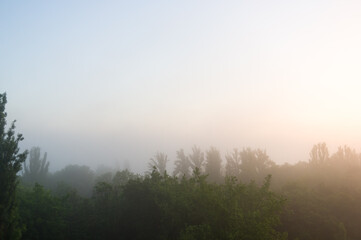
{"x":11,"y":161}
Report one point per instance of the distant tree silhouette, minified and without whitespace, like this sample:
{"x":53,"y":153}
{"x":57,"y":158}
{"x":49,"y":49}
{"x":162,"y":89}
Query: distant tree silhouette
{"x":158,"y":163}
{"x":122,"y":177}
{"x":255,"y":164}
{"x":38,"y":167}
{"x":345,"y":157}
{"x":213,"y":165}
{"x":233,"y":163}
{"x":197,"y":159}
{"x":81,"y":178}
{"x":182,"y":165}
{"x":319,"y":155}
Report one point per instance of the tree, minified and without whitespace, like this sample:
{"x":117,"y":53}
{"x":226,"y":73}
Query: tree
{"x":38,"y":168}
{"x":233,"y":164}
{"x":41,"y":213}
{"x":81,"y":178}
{"x":10,"y":164}
{"x":162,"y":207}
{"x":255,"y":164}
{"x":122,"y":177}
{"x":319,"y":154}
{"x":196,"y":159}
{"x":213,"y":165}
{"x":345,"y":157}
{"x":182,"y":165}
{"x":159,"y":163}
{"x":315,"y":209}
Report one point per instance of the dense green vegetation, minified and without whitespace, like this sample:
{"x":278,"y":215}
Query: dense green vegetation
{"x":154,"y":207}
{"x":10,"y":164}
{"x":246,"y":197}
{"x":319,"y":199}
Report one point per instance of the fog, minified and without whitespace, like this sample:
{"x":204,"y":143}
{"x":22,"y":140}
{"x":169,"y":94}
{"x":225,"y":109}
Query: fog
{"x":180,"y":120}
{"x":114,"y":83}
{"x":134,"y":148}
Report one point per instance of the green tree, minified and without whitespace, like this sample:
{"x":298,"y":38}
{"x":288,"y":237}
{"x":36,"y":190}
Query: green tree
{"x":41,"y":213}
{"x":122,"y":177}
{"x":162,"y":207}
{"x":310,"y":212}
{"x":10,"y":164}
{"x":38,"y":167}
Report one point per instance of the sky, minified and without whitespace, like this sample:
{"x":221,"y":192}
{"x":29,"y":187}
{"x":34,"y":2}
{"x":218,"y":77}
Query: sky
{"x":113,"y":82}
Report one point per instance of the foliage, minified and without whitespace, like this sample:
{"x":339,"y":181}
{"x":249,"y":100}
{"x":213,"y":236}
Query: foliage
{"x":161,"y":207}
{"x":10,"y":164}
{"x":41,"y":213}
{"x":308,"y":201}
{"x":314,"y":200}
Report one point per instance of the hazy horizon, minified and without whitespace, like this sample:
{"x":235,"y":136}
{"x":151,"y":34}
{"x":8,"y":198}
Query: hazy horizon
{"x":107,"y":82}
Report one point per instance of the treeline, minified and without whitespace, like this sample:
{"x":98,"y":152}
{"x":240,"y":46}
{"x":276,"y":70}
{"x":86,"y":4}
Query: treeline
{"x":124,"y":205}
{"x":203,"y":198}
{"x":245,"y":196}
{"x":153,"y":207}
{"x":246,"y":165}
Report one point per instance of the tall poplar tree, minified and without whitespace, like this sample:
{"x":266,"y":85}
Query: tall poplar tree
{"x":37,"y":169}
